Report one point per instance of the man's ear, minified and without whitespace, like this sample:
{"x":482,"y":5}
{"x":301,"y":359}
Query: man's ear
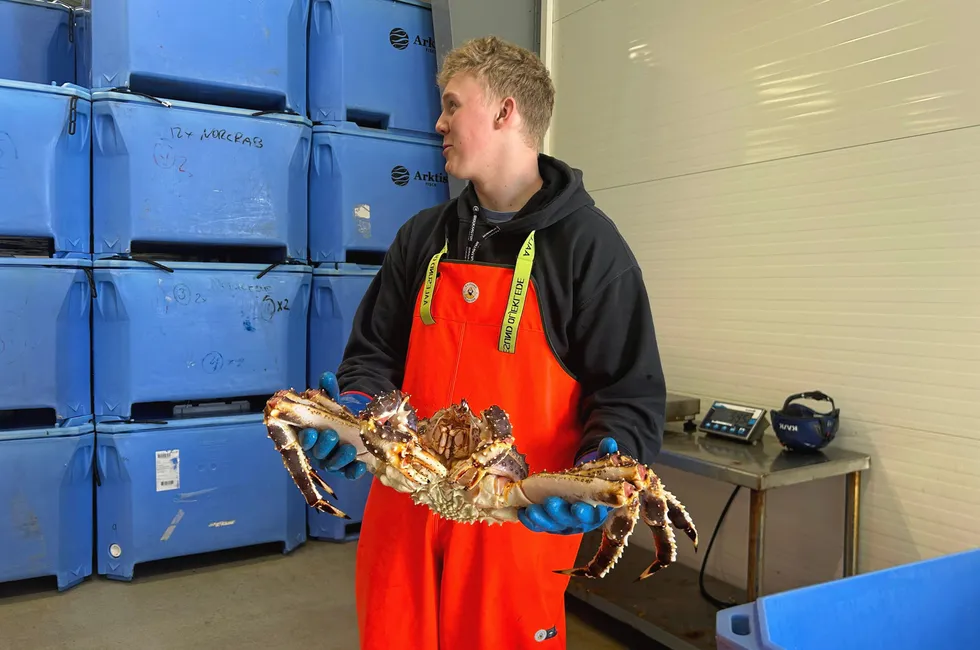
{"x":506,"y":113}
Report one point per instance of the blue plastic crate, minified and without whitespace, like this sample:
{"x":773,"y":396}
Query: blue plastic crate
{"x":224,"y":52}
{"x":337,"y":293}
{"x":197,"y":174}
{"x":198,"y":331}
{"x":927,"y":604}
{"x":365,"y":184}
{"x":45,"y":347}
{"x":46,"y":483}
{"x":37,"y":42}
{"x":374,"y":61}
{"x":185,"y":487}
{"x":45,"y":169}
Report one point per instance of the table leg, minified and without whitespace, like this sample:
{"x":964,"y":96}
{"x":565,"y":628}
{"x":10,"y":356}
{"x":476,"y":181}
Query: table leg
{"x":852,"y":516}
{"x":757,"y":533}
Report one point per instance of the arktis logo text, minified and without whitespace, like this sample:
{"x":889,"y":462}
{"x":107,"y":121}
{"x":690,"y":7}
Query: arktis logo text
{"x":401,"y":176}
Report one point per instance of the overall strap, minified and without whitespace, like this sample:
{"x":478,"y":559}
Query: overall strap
{"x":518,"y":292}
{"x":507,"y":342}
{"x":425,"y":310}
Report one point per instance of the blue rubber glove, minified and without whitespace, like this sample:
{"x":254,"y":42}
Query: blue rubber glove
{"x":322,"y":446}
{"x":560,"y":517}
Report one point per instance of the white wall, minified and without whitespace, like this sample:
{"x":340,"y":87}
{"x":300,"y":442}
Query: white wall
{"x":800,"y":180}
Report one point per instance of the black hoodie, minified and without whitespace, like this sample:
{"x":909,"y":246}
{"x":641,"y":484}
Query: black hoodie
{"x":594,"y":304}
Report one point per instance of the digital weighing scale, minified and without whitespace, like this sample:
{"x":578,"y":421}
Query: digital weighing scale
{"x":735,"y":422}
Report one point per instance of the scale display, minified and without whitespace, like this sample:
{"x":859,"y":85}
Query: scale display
{"x":735,"y":421}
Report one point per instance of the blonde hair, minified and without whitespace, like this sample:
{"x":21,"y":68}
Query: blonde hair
{"x":507,"y":70}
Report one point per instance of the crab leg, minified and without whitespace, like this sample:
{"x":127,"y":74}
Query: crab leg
{"x":680,"y":518}
{"x":615,"y":537}
{"x":654,"y":513}
{"x":315,"y":410}
{"x":299,"y":468}
{"x":538,"y":487}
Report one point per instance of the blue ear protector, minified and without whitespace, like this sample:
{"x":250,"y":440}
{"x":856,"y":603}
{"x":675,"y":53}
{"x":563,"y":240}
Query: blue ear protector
{"x":800,"y":428}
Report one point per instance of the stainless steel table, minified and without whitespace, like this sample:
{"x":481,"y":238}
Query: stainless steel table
{"x":669,"y":607}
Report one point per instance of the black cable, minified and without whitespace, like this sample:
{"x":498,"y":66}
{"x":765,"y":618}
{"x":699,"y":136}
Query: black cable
{"x":704,"y":592}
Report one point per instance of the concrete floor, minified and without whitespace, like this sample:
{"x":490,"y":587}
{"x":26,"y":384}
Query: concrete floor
{"x":249,"y":598}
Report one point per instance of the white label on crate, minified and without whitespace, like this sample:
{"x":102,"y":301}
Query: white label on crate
{"x":362,"y":217}
{"x":168,"y":470}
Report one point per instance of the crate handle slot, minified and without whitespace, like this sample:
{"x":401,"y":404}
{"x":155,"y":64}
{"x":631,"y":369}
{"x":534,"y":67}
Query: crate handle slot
{"x":736,"y":625}
{"x":321,"y":166}
{"x":330,"y":19}
{"x":325,"y":295}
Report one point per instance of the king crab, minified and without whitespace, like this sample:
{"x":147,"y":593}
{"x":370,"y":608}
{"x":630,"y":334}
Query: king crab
{"x":466,"y":468}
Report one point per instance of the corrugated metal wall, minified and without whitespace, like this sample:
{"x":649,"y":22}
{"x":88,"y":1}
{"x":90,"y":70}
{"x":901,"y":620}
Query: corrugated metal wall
{"x":799,"y":180}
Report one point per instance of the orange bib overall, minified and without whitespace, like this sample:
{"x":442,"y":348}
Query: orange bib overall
{"x":424,"y":583}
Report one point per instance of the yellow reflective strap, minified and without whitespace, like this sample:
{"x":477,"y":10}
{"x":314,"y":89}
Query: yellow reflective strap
{"x":430,"y":286}
{"x":518,"y":292}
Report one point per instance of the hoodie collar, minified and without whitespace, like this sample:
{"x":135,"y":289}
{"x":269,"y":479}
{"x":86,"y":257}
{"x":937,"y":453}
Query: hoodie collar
{"x":561,"y":194}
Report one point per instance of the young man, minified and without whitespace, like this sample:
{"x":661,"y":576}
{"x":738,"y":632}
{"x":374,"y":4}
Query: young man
{"x":519,"y":293}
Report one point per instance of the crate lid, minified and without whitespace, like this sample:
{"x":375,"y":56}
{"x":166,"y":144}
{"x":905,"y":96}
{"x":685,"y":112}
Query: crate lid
{"x":211,"y":267}
{"x":164,"y":103}
{"x":339,"y":269}
{"x":47,"y":262}
{"x":45,"y":432}
{"x":350,"y":128}
{"x":427,"y":4}
{"x":46,"y":4}
{"x":69,"y":90}
{"x":179,"y":424}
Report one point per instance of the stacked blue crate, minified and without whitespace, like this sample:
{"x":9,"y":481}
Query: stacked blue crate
{"x":337,"y":293}
{"x":376,"y":161}
{"x":46,"y":431}
{"x":197,"y":175}
{"x":374,"y":62}
{"x":199,"y":182}
{"x":364,"y":184}
{"x":221,"y":52}
{"x":46,"y":435}
{"x":37,"y":42}
{"x":45,"y":147}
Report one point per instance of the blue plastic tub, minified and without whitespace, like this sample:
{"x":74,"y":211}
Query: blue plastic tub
{"x":45,"y":345}
{"x":223,"y":52}
{"x":927,"y":604}
{"x":364,"y":185}
{"x":46,"y":483}
{"x":45,"y":167}
{"x":199,"y":332}
{"x":37,"y":42}
{"x":186,"y":487}
{"x":197,"y":175}
{"x":337,"y":293}
{"x":374,"y":62}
